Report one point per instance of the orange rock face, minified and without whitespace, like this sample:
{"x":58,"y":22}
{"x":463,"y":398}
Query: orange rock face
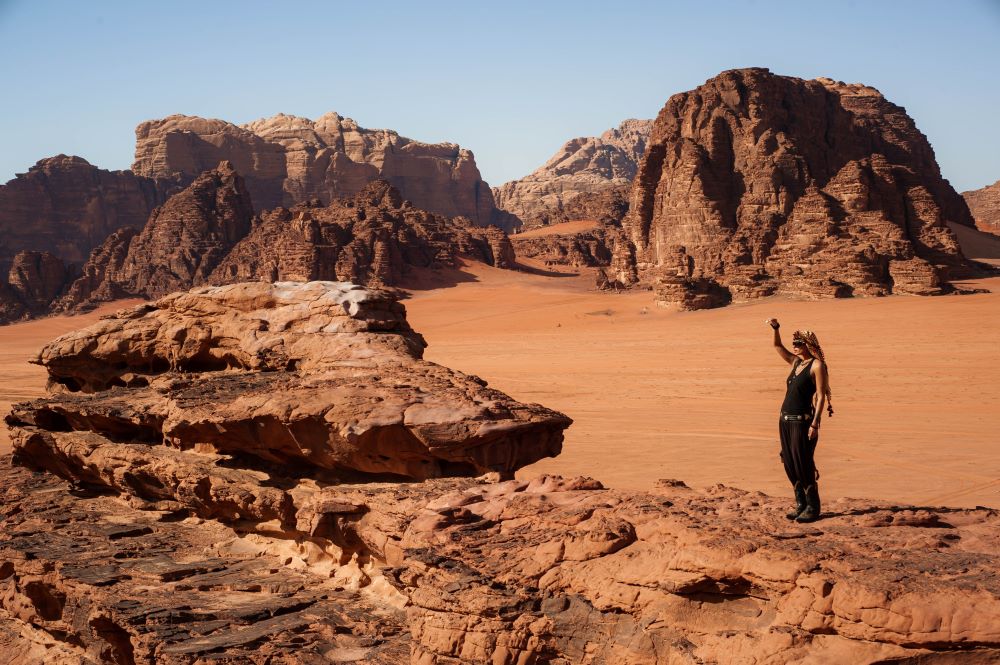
{"x":66,"y":207}
{"x":984,"y":204}
{"x":288,"y":160}
{"x":331,"y":377}
{"x":34,"y":280}
{"x":207,"y":234}
{"x":585,"y":179}
{"x":754,"y":184}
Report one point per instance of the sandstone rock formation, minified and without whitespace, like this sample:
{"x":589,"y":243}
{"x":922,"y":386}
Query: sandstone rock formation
{"x":288,"y":160}
{"x":754,"y":184}
{"x":600,"y":245}
{"x":586,"y":179}
{"x":207,"y":234}
{"x":984,"y":204}
{"x":331,"y":377}
{"x":373,"y":238}
{"x":66,"y":207}
{"x":34,"y":280}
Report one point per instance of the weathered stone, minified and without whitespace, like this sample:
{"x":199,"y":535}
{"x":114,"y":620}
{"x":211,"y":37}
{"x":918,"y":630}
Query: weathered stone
{"x":373,"y":238}
{"x":330,"y":377}
{"x":240,"y":460}
{"x":205,"y":234}
{"x":35,"y":279}
{"x":585,"y":179}
{"x":984,"y":204}
{"x":288,"y":160}
{"x":66,"y":207}
{"x":771,"y":184}
{"x":556,"y":570}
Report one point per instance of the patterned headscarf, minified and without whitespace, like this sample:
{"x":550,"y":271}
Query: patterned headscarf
{"x":808,"y":338}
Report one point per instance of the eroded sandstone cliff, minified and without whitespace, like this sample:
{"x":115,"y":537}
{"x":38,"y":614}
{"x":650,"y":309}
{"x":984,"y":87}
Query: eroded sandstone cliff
{"x":66,"y":207}
{"x":241,"y":461}
{"x":208,"y":234}
{"x":288,"y":160}
{"x":984,"y":204}
{"x":755,"y":183}
{"x":585,"y":179}
{"x":34,"y":280}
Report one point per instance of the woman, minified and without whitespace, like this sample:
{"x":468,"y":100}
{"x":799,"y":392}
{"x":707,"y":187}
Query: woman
{"x":808,"y":391}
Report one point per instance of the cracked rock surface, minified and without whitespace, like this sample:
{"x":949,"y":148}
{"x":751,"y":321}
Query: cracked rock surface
{"x":266,"y":474}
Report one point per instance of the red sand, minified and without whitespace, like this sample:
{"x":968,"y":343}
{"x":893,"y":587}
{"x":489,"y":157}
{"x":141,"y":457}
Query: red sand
{"x":694,"y":395}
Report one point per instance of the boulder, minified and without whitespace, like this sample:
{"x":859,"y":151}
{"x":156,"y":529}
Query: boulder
{"x":322,"y":374}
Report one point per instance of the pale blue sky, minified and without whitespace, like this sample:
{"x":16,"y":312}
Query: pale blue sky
{"x":510,"y":80}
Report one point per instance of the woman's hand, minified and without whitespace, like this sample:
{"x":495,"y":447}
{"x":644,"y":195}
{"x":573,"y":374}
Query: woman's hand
{"x":773,"y":323}
{"x":813,"y":432}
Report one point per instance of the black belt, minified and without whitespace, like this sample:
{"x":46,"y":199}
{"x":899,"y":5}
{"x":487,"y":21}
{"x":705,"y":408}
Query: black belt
{"x":796,"y":416}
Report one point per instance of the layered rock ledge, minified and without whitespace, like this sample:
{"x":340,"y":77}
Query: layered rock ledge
{"x":262,"y":473}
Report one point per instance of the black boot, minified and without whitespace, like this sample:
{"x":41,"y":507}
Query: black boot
{"x":800,"y":502}
{"x":812,"y":511}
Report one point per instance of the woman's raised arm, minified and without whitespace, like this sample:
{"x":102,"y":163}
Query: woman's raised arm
{"x":785,"y":354}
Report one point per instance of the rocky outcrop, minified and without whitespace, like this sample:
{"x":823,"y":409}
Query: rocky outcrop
{"x":288,"y":160}
{"x":185,"y":239}
{"x":207,"y":234}
{"x":586,"y":179}
{"x":66,"y":207}
{"x":984,"y":204}
{"x":330,"y":376}
{"x":373,"y":238}
{"x":564,"y":244}
{"x":249,"y":452}
{"x":100,"y":274}
{"x":754,"y":184}
{"x":34,"y":280}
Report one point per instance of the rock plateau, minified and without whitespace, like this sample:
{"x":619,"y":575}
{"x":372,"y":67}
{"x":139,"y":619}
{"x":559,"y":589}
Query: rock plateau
{"x":288,"y":160}
{"x":754,"y":184}
{"x":261,"y":473}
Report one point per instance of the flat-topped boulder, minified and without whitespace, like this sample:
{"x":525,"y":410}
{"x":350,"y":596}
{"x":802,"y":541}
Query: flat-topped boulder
{"x":323,"y":374}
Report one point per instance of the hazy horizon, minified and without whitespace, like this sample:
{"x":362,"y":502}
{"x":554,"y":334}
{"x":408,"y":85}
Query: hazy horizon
{"x":510,"y":82}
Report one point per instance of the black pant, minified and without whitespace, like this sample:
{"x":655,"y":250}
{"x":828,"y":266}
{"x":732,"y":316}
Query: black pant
{"x":797,"y":451}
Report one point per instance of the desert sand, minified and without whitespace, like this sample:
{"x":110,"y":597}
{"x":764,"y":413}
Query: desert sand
{"x":20,"y":380}
{"x":563,"y":228}
{"x":657,"y":393}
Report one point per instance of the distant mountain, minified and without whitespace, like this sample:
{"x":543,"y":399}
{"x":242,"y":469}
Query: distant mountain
{"x":600,"y":167}
{"x":288,"y":160}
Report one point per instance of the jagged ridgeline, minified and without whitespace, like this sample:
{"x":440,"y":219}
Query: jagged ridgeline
{"x":207,"y":233}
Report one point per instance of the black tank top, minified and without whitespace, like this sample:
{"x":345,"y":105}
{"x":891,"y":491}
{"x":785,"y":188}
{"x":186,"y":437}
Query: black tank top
{"x":801,"y":388}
